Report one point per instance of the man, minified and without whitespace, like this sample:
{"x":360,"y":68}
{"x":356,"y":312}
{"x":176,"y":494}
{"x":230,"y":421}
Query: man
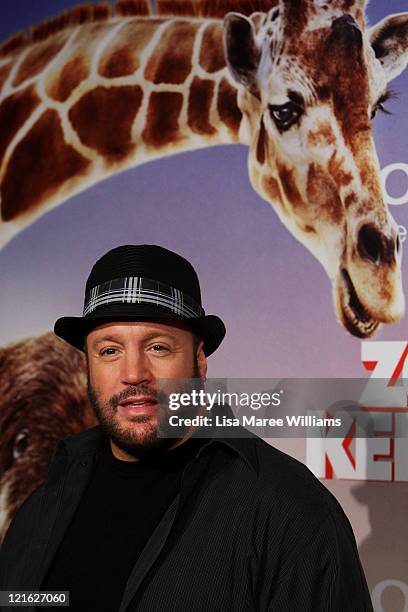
{"x":128,"y":520}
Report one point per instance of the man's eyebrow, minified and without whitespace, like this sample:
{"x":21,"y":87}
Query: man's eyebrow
{"x":106,"y":338}
{"x":113,"y":338}
{"x":167,"y":335}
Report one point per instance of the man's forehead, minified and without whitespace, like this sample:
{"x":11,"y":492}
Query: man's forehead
{"x":138,"y":328}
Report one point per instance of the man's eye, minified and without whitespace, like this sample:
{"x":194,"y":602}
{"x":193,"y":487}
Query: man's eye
{"x":108,"y":351}
{"x":159,"y":348}
{"x":285,"y":115}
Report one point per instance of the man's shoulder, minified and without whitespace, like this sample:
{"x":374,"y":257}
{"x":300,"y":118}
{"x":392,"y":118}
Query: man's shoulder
{"x":282,"y":477}
{"x":282,"y":499}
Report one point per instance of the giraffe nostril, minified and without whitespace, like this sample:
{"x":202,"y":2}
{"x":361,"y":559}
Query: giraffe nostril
{"x":376,"y":246}
{"x":369,"y":243}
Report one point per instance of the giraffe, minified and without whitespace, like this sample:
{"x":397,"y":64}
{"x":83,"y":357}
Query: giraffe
{"x":90,"y":93}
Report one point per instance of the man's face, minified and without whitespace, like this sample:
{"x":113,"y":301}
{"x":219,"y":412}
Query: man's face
{"x":125,"y":363}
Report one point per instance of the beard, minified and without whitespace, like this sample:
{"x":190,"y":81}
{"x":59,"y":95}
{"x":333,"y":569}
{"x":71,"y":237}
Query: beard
{"x":140,"y":438}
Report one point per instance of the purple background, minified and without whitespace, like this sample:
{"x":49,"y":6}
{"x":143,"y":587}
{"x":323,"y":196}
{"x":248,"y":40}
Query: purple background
{"x":274,"y":297}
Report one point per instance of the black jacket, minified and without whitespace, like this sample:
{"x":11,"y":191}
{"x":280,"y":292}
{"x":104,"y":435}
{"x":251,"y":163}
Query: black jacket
{"x":252,"y":529}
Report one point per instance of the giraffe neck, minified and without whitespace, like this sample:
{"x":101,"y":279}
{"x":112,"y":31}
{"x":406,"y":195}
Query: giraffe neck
{"x":96,"y":99}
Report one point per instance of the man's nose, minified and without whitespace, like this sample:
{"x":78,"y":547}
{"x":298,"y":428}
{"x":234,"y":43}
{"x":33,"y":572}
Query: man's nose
{"x":135,"y":368}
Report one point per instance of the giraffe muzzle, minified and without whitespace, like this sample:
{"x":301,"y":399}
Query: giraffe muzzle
{"x":373,"y":295}
{"x":352,"y":313}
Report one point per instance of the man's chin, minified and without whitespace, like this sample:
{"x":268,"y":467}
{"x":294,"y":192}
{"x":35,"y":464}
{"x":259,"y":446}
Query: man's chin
{"x":138,"y":439}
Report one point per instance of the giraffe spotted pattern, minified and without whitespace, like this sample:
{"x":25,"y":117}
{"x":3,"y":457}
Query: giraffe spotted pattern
{"x":56,"y":163}
{"x":88,"y":95}
{"x":103,"y":119}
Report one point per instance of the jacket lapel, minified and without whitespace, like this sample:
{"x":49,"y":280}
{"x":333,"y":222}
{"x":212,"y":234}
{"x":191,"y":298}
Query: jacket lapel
{"x":149,"y":555}
{"x":68,"y":476}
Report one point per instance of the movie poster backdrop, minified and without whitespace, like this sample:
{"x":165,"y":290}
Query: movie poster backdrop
{"x":128,"y":132}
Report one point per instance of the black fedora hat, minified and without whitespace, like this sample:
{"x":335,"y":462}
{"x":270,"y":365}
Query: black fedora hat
{"x":142,"y":283}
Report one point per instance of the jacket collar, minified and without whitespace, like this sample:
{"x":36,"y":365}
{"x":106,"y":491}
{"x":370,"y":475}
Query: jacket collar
{"x":83,"y":443}
{"x":244,"y":446}
{"x":90,"y":441}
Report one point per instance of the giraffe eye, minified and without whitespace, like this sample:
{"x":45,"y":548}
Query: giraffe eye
{"x":379,"y":106}
{"x":285,"y":115}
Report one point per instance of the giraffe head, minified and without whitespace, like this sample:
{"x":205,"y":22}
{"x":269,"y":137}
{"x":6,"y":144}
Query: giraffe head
{"x":312,"y":77}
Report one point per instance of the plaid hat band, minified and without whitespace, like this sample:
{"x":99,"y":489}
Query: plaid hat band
{"x":139,"y":290}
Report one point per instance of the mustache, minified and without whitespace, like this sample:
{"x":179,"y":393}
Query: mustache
{"x":136,"y":391}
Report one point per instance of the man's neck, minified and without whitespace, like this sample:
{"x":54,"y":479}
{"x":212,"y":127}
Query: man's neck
{"x":125,"y":456}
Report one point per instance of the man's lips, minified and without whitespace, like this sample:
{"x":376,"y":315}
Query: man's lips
{"x":138,"y":403}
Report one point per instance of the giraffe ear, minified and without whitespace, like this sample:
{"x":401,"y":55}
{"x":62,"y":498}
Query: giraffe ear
{"x":389,"y":39}
{"x":241,"y":49}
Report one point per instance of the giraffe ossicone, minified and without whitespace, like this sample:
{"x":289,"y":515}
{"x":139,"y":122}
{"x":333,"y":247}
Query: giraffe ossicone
{"x":90,"y":94}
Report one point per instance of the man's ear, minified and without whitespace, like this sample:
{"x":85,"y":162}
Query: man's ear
{"x":201,"y":361}
{"x":241,"y":49}
{"x":389,"y":39}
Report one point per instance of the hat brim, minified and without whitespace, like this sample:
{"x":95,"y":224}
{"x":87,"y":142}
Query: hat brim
{"x":74,"y":330}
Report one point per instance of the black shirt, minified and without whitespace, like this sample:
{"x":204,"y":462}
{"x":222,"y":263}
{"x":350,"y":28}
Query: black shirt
{"x":121,"y":507}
